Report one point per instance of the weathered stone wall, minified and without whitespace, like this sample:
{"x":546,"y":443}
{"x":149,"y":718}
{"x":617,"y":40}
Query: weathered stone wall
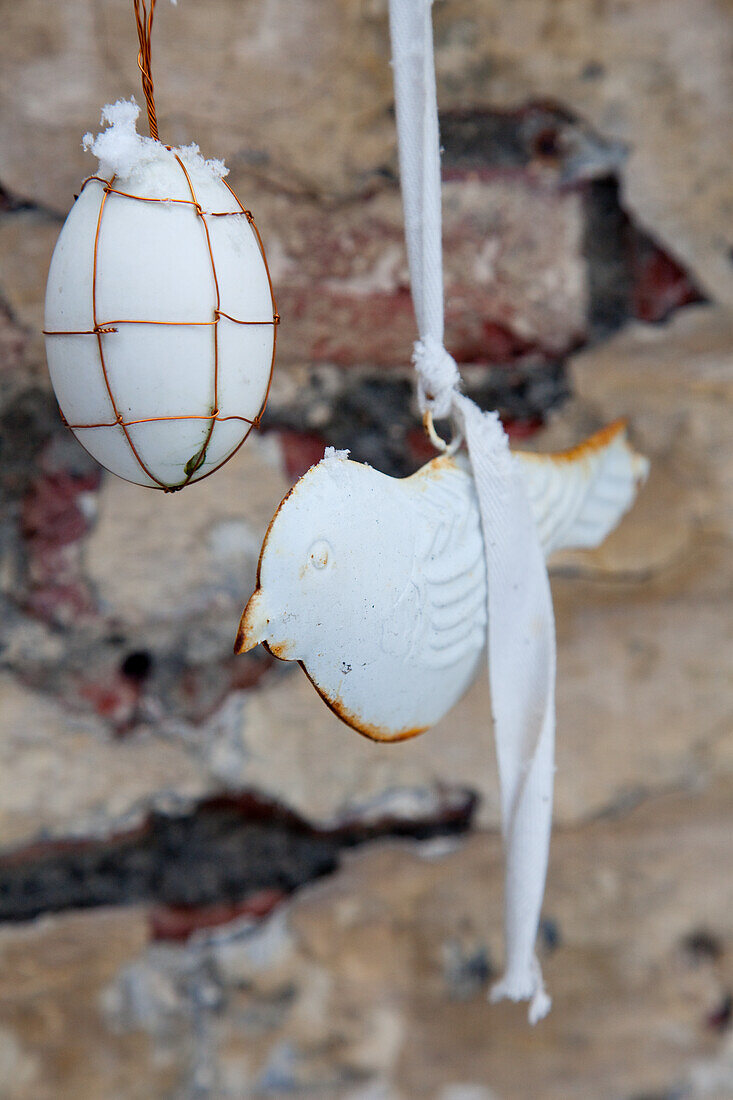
{"x":209,"y":887}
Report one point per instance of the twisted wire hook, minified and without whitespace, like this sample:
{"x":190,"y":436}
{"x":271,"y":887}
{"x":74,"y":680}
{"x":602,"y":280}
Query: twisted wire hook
{"x":144,"y":20}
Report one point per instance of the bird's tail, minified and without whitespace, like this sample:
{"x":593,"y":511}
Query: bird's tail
{"x":578,"y":496}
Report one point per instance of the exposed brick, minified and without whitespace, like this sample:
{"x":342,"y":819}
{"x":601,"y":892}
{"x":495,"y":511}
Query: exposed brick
{"x":52,"y":515}
{"x":300,"y":451}
{"x":178,"y":923}
{"x":661,"y":284}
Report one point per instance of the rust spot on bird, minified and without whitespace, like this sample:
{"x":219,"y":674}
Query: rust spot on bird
{"x":436,"y":469}
{"x":244,"y":640}
{"x":240,"y":643}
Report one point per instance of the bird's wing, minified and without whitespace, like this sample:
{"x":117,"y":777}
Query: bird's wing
{"x":449,"y":570}
{"x":577,"y":497}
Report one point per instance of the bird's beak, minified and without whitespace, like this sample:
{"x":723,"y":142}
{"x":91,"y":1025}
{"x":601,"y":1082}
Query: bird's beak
{"x":253,"y":624}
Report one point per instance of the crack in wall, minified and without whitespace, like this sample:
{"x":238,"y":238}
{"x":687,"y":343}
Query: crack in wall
{"x":223,"y":851}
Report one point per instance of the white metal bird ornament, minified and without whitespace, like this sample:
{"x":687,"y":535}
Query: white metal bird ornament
{"x":377,"y":585}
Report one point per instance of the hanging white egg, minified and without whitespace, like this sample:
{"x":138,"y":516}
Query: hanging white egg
{"x":160,"y":318}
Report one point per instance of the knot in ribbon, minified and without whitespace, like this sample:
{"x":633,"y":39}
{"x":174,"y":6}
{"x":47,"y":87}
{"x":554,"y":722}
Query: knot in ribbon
{"x":437,"y":377}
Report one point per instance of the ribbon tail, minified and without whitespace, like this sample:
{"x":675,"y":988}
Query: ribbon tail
{"x":527,"y":846}
{"x":522,"y":663}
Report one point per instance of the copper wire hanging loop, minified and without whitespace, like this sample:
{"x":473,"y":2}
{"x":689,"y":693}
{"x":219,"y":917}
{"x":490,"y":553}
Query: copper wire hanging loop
{"x":144,"y":20}
{"x":437,"y":441}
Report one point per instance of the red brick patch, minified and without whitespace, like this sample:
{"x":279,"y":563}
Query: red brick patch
{"x":178,"y":923}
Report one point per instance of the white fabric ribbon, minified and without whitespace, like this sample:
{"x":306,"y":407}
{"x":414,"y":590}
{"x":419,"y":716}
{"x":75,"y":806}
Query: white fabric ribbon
{"x":521,"y":630}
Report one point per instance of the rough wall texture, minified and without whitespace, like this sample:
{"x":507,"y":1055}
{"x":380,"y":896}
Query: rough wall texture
{"x":165,"y":808}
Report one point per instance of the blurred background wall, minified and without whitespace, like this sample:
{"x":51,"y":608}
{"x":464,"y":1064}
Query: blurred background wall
{"x":209,"y":887}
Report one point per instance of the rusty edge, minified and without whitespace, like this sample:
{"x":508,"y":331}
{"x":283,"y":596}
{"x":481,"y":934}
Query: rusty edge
{"x":590,"y":446}
{"x":372,"y":733}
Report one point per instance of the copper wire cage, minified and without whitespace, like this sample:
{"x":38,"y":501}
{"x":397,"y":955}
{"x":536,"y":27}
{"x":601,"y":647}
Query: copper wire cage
{"x":102,"y":328}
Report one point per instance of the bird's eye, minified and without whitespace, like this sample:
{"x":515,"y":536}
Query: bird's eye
{"x":319,"y":554}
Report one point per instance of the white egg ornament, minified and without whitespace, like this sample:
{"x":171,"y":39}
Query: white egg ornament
{"x":160,"y":317}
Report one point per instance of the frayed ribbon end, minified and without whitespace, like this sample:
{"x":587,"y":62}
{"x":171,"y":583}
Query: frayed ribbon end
{"x":531,"y":989}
